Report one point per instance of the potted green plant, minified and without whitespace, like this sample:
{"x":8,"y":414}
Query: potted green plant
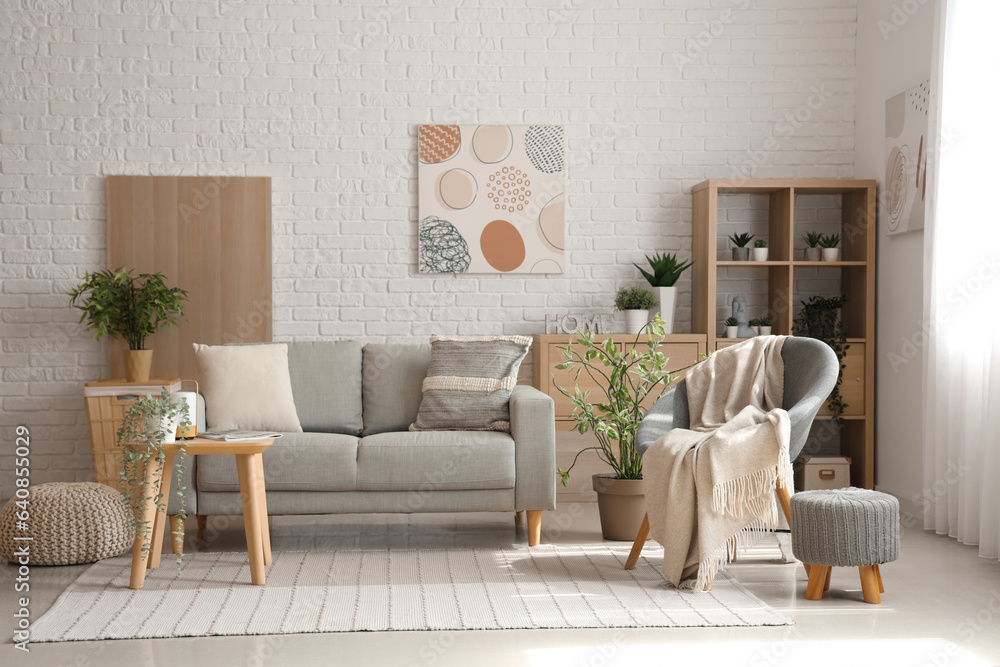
{"x":629,"y":378}
{"x":666,"y":272}
{"x":755,"y":325}
{"x":760,"y":250}
{"x":129,"y":308}
{"x":741,"y":253}
{"x":636,"y":303}
{"x":732,"y":327}
{"x":147,"y":425}
{"x":820,"y":319}
{"x":813,"y":253}
{"x":831,"y":253}
{"x":765,"y":326}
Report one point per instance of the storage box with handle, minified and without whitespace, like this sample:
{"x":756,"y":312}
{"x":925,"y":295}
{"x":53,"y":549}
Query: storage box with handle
{"x":106,"y":402}
{"x":816,"y":473}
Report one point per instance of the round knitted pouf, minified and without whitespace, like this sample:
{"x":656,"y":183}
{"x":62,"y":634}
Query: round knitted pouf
{"x":69,"y":524}
{"x":845,"y":527}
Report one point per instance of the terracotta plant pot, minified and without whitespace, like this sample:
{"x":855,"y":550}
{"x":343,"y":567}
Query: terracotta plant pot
{"x":621,"y":504}
{"x":667,"y":296}
{"x":813,"y":254}
{"x":137,"y":363}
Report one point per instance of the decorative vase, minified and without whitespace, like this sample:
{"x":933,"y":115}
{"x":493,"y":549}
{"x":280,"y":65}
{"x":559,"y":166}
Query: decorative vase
{"x":741,"y":254}
{"x":813,"y":254}
{"x":760,"y":254}
{"x":635,"y":320}
{"x":621,"y":504}
{"x":667,"y":296}
{"x":731,"y":332}
{"x":765,"y":331}
{"x":137,"y":363}
{"x":831,"y":254}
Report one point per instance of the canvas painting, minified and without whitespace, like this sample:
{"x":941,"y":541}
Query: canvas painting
{"x":492,"y":198}
{"x":906,"y":148}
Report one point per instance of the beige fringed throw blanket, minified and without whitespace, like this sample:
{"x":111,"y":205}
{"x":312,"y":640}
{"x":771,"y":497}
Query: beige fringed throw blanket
{"x":715,"y":481}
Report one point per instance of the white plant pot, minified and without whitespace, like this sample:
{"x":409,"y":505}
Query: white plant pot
{"x":667,"y":296}
{"x":756,"y":331}
{"x":167,"y":426}
{"x":635,"y":320}
{"x":831,"y":254}
{"x":813,"y":254}
{"x":760,"y":254}
{"x":764,"y":331}
{"x":731,"y":332}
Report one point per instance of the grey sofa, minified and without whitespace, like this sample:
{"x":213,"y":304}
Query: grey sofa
{"x":355,"y":403}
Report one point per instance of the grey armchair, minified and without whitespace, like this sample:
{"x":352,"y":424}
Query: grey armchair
{"x":811,"y":370}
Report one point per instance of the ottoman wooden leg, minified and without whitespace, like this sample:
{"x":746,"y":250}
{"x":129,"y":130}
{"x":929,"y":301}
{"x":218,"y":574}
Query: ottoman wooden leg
{"x":869,"y":584}
{"x":829,"y":573}
{"x":878,"y":575}
{"x":817,"y":579}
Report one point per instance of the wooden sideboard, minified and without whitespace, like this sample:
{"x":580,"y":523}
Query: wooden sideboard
{"x":682,"y":349}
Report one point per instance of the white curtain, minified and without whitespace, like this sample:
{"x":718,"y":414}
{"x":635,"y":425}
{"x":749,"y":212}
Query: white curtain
{"x":961,"y":495}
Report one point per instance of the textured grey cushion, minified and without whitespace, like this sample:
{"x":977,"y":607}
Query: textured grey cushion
{"x":469,"y":382}
{"x":326,"y":384}
{"x":391,"y":378}
{"x":295,"y":462}
{"x":436,"y":460}
{"x":845,"y":527}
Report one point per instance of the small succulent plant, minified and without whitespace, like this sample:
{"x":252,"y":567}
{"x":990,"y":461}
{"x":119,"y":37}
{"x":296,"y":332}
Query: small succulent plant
{"x":666,"y":269}
{"x":741,"y":240}
{"x":760,"y":243}
{"x":831,"y":241}
{"x":731,"y":322}
{"x":755,"y":322}
{"x":813,"y":239}
{"x":765,"y":321}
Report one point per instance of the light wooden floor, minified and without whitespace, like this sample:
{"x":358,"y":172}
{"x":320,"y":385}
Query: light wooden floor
{"x":942,"y":603}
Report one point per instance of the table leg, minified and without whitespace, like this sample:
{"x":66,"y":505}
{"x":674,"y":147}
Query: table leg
{"x":265,"y":529}
{"x":147,"y":515}
{"x":247,"y":471}
{"x":156,"y":539}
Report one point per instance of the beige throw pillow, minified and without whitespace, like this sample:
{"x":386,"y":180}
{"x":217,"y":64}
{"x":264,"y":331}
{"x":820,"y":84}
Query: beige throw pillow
{"x":247,"y":387}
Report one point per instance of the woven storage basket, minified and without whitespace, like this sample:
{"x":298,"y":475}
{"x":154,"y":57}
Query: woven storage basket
{"x":69,"y":523}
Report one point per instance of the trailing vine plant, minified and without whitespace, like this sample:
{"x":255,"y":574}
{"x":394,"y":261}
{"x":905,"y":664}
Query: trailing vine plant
{"x":626,"y":375}
{"x":820,"y":319}
{"x":146,"y":425}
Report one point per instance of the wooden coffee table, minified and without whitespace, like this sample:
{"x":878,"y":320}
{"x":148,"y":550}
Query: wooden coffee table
{"x":249,"y":466}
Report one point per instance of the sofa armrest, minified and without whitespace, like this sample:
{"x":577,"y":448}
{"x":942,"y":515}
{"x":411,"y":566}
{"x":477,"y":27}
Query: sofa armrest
{"x":533,"y":427}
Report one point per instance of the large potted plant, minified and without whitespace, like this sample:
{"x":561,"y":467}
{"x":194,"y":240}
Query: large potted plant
{"x":147,"y":425}
{"x":130,"y":308}
{"x":636,"y":303}
{"x":820,"y":318}
{"x":629,"y":379}
{"x":666,"y":272}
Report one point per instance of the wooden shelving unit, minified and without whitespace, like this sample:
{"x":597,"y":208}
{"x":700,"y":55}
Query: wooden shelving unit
{"x":857,"y":283}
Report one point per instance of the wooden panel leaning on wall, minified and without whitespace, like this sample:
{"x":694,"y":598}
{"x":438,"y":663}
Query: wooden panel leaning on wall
{"x":208,"y":235}
{"x":682,"y":349}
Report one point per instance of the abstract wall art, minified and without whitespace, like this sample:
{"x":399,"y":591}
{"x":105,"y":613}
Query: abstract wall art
{"x":491,"y":198}
{"x":906,"y":149}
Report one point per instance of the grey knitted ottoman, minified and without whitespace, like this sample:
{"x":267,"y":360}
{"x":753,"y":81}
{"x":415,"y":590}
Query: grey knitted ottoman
{"x":845,"y":528}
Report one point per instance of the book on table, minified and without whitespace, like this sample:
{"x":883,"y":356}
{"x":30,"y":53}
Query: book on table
{"x":235,"y":435}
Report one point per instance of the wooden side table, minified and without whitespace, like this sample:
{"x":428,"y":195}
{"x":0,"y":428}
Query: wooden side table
{"x":249,"y":466}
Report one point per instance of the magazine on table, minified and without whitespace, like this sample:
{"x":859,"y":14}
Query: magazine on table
{"x":233,"y":435}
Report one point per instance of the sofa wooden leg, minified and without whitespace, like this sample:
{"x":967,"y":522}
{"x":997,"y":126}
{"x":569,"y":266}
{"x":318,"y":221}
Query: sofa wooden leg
{"x":202,"y":524}
{"x":177,"y":534}
{"x":534,"y":527}
{"x":640,"y":539}
{"x":519,"y":518}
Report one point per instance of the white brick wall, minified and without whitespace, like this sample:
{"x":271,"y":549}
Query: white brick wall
{"x":325,"y":98}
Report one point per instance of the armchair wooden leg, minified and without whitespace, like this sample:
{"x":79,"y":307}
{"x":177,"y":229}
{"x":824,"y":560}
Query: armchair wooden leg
{"x":640,"y":539}
{"x":519,"y":518}
{"x":177,"y":534}
{"x":534,"y":527}
{"x":785,"y":500}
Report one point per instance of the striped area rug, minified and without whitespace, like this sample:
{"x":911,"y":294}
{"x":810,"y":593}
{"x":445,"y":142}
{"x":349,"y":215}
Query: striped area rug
{"x":347,"y":591}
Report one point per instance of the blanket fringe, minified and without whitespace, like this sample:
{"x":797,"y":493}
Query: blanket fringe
{"x":750,"y":536}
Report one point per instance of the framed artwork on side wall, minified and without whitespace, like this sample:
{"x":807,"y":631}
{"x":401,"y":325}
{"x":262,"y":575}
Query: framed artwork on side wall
{"x":906,"y":148}
{"x":492,"y":198}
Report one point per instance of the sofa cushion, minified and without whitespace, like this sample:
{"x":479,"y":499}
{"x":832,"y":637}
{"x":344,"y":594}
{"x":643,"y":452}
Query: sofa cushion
{"x":469,"y":382}
{"x":295,"y":462}
{"x":436,"y":460}
{"x":246,"y":387}
{"x":326,"y":382}
{"x":392,"y":376}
